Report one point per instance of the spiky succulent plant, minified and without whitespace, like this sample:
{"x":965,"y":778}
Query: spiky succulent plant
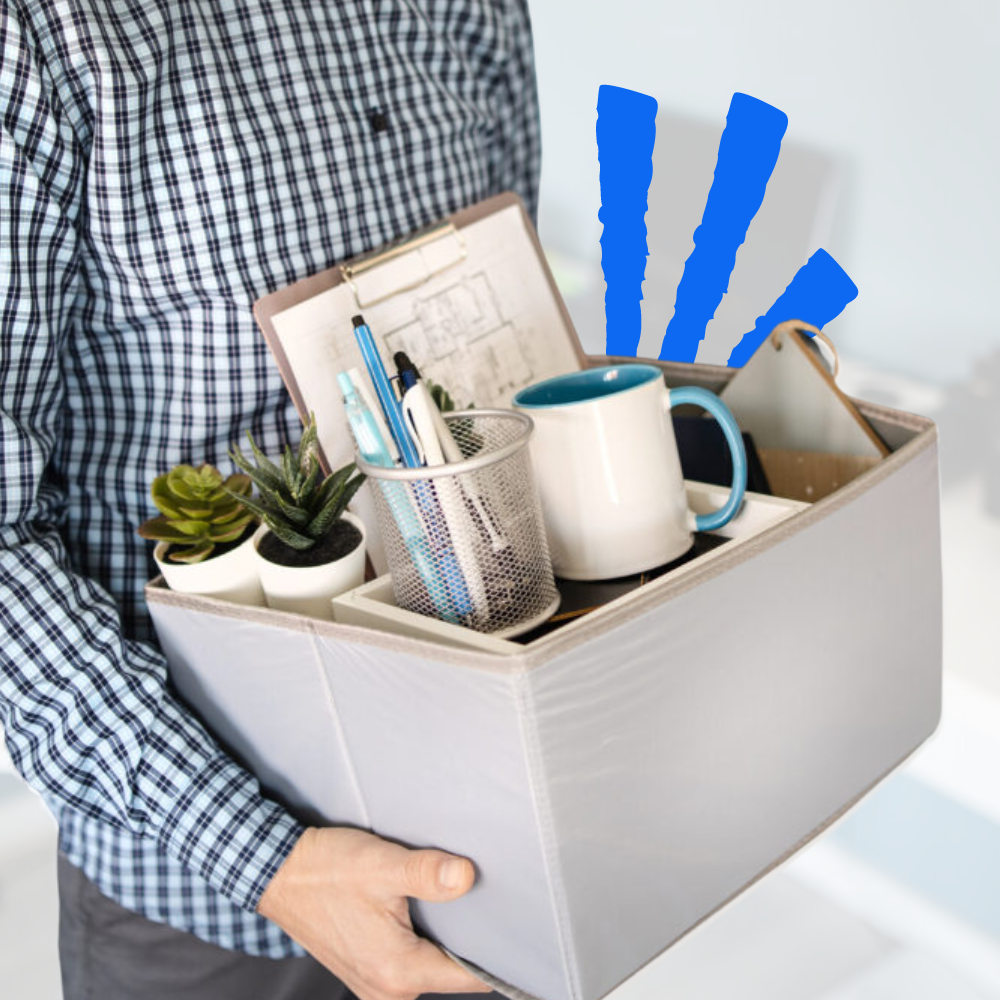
{"x":294,"y":501}
{"x":199,"y":510}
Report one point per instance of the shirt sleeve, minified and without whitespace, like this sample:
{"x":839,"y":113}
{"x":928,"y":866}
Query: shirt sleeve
{"x":88,"y":717}
{"x":517,"y":152}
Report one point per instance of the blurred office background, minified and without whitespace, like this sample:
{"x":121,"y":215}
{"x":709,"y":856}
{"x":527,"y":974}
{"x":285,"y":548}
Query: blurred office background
{"x":889,"y":163}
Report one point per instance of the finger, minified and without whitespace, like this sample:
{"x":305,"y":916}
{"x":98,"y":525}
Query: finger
{"x":435,"y":972}
{"x":434,"y":876}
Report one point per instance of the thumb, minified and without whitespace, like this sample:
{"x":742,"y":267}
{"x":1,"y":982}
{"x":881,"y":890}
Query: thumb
{"x":435,"y":876}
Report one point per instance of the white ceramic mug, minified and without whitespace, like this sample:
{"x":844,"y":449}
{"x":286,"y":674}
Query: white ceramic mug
{"x":608,"y":473}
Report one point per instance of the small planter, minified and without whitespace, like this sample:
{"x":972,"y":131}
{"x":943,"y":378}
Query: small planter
{"x":308,"y":590}
{"x":231,"y":576}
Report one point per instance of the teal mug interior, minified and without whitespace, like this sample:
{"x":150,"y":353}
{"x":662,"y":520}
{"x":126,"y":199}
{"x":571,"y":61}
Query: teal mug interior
{"x":583,"y":386}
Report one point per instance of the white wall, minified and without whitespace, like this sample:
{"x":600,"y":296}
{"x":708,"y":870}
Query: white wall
{"x":902,"y":94}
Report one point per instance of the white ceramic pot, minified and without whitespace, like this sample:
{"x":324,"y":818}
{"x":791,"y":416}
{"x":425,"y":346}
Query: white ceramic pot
{"x":308,"y":590}
{"x":230,"y":577}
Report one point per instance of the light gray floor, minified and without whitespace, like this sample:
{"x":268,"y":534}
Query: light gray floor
{"x":29,"y":963}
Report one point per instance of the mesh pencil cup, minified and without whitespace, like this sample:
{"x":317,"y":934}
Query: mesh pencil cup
{"x":465,"y":540}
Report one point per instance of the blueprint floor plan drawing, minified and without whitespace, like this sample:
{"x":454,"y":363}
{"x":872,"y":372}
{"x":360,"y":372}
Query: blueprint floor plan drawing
{"x":487,"y":324}
{"x":463,"y":321}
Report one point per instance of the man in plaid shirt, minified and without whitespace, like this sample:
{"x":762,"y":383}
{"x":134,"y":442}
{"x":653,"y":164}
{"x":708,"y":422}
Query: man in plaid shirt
{"x":164,"y":164}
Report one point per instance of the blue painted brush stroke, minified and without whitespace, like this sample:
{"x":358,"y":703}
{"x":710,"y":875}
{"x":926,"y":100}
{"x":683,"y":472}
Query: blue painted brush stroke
{"x":748,"y":152}
{"x":819,"y":291}
{"x":626,"y":133}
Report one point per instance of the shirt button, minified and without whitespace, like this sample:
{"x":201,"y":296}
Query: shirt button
{"x":378,"y":120}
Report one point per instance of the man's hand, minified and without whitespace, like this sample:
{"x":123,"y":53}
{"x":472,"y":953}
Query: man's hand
{"x":342,"y":894}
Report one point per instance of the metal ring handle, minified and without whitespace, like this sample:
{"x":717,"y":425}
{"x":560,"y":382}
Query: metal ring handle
{"x":817,"y":334}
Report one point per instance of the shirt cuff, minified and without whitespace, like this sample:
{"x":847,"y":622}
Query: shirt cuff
{"x":222,"y":827}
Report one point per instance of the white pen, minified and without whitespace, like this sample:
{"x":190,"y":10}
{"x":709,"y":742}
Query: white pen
{"x":450,"y":448}
{"x":436,"y":440}
{"x":417,"y":407}
{"x":361,"y":388}
{"x":418,"y":410}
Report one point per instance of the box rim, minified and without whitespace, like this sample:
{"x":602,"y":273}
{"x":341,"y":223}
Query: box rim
{"x":626,"y":608}
{"x":726,"y":557}
{"x":157,"y":593}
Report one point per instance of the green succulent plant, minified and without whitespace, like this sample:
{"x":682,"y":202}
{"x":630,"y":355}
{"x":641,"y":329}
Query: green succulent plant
{"x":440,"y":395}
{"x":199,"y":509}
{"x":294,"y":501}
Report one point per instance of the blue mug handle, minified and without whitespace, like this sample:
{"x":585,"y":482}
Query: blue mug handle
{"x":716,"y":408}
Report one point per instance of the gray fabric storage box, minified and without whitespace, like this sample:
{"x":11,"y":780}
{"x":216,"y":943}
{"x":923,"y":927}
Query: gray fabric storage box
{"x":618,"y":780}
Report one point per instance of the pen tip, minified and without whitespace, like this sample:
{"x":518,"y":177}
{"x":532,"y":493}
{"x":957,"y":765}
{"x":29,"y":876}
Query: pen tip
{"x":358,"y":321}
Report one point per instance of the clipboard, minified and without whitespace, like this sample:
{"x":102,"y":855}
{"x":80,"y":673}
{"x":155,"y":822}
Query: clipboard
{"x":470,"y":299}
{"x":810,"y":436}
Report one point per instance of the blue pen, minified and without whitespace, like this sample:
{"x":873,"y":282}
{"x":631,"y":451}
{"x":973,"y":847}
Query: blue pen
{"x":373,"y":449}
{"x":386,"y":397}
{"x":430,"y":510}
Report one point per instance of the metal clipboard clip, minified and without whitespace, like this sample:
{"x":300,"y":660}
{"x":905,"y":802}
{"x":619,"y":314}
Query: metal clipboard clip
{"x":404,"y":265}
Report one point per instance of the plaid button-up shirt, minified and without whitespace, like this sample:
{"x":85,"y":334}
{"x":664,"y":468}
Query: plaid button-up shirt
{"x":163,"y":164}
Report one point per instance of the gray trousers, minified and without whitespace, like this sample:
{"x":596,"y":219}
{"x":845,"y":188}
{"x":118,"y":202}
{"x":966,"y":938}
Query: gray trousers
{"x":110,"y":953}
